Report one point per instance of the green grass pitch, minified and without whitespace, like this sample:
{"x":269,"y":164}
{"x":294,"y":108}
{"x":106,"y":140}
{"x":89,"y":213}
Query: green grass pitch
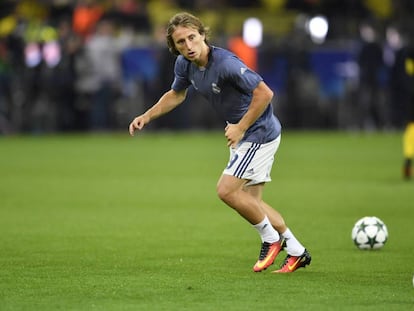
{"x":110,"y":222}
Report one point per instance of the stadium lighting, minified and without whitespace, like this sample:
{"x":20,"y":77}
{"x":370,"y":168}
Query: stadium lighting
{"x":33,"y":55}
{"x":318,"y":27}
{"x":253,"y":32}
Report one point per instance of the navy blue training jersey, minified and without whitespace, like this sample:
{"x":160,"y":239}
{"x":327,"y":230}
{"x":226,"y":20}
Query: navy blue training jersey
{"x":228,"y":84}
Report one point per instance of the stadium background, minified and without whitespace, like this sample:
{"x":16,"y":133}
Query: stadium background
{"x":92,"y":65}
{"x":103,"y":221}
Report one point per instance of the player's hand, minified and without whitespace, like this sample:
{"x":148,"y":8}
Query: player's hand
{"x":234,"y":134}
{"x":137,"y":124}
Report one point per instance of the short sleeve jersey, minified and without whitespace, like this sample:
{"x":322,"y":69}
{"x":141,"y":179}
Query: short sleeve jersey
{"x":228,"y":84}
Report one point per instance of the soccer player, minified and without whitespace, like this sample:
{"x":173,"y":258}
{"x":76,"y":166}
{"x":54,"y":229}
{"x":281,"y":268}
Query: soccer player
{"x":408,"y":136}
{"x":243,"y":100}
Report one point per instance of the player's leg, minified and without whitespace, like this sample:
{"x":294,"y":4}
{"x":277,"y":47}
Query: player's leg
{"x":247,"y":162}
{"x":293,"y":246}
{"x":408,"y":150}
{"x":274,"y":216}
{"x":230,"y":190}
{"x":297,"y":255}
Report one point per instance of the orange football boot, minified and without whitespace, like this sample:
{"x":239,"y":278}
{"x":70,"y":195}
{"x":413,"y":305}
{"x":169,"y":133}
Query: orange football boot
{"x":292,"y":263}
{"x":268,"y":253}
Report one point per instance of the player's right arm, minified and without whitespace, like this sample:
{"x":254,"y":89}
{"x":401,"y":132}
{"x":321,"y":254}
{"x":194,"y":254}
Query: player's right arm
{"x":165,"y":104}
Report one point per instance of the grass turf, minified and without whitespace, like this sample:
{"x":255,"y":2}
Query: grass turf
{"x":109,"y":222}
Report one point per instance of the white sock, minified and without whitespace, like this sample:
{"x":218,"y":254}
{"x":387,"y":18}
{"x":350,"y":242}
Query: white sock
{"x":293,"y":246}
{"x":266,"y":231}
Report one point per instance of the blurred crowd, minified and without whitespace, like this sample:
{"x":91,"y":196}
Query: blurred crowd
{"x":90,"y":65}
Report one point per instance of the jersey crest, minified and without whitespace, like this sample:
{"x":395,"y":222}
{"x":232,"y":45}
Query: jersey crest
{"x":215,"y":88}
{"x":194,"y":85}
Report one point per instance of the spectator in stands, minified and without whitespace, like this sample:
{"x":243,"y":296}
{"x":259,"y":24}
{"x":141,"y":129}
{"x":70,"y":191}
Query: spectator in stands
{"x":99,"y":74}
{"x":69,"y":117}
{"x":371,"y":110}
{"x":85,"y":16}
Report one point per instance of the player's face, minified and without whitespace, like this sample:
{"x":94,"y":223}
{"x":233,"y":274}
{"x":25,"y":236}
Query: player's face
{"x":190,"y":43}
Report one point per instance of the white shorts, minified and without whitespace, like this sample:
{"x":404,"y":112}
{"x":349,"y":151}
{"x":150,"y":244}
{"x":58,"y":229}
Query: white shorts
{"x":252,"y":161}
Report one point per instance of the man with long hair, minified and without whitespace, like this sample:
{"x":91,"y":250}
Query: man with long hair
{"x":243,"y":101}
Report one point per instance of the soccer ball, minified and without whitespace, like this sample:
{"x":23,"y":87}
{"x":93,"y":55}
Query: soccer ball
{"x":369,"y":233}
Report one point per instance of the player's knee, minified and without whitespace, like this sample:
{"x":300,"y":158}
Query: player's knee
{"x":224,"y":193}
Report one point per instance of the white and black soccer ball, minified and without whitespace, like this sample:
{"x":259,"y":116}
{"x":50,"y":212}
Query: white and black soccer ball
{"x":370,"y":232}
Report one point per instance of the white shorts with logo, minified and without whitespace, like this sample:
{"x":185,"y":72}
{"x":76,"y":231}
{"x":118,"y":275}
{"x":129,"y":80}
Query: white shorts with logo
{"x":252,"y":161}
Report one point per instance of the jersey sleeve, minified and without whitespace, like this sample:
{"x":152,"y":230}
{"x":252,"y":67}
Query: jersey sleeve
{"x":240,"y":75}
{"x":181,"y":81}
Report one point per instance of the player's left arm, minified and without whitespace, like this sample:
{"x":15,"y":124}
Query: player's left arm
{"x":262,"y":97}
